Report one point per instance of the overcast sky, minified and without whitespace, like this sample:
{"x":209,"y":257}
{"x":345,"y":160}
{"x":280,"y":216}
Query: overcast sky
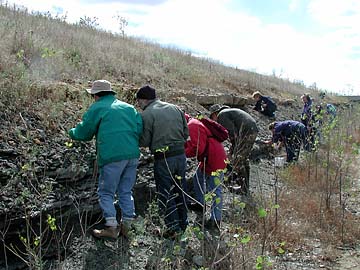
{"x":309,"y":40}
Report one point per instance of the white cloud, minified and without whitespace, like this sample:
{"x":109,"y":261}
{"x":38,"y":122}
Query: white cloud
{"x":341,"y":19}
{"x":294,"y":4}
{"x":334,"y":13}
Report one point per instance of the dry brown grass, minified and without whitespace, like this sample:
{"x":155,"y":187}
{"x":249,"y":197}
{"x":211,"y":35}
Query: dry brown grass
{"x":317,"y":190}
{"x":36,"y":48}
{"x":45,"y":63}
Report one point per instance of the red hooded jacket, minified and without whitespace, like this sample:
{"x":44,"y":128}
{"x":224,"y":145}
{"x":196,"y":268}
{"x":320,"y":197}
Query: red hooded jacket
{"x":201,"y":141}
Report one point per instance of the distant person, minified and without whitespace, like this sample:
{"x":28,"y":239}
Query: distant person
{"x":323,"y":117}
{"x":242,"y":130}
{"x":165,"y":133}
{"x":306,"y":115}
{"x":327,"y":112}
{"x":318,"y":118}
{"x":307,"y":118}
{"x":264,"y":105}
{"x":291,"y":134}
{"x":117,"y":127}
{"x":331,"y":112}
{"x":210,"y":173}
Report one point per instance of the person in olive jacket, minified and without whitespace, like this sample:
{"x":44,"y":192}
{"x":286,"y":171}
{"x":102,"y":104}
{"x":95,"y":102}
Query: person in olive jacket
{"x":165,"y":133}
{"x":243,"y":131}
{"x":117,"y":127}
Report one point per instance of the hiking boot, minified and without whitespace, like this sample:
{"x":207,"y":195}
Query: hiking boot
{"x":126,"y":228}
{"x":195,"y":207}
{"x":235,"y":189}
{"x":169,"y":234}
{"x":108,"y":232}
{"x":212,"y":225}
{"x":172,"y":235}
{"x":131,"y":227}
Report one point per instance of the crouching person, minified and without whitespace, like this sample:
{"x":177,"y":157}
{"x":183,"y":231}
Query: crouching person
{"x":292,"y":134}
{"x":243,"y":131}
{"x":117,"y":127}
{"x":210,"y":173}
{"x":264,"y":105}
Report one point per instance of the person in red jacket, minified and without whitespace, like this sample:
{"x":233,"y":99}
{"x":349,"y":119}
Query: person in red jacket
{"x":210,"y":173}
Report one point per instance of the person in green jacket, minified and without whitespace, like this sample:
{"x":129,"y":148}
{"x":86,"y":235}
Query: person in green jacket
{"x":117,"y":127}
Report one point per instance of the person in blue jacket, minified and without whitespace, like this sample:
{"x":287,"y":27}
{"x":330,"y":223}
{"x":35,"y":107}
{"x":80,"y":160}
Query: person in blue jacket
{"x":291,"y":134}
{"x":117,"y":127}
{"x":308,"y":119}
{"x":264,"y":105}
{"x":331,"y":112}
{"x":307,"y":113}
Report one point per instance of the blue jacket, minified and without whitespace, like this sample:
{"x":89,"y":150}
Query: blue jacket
{"x":306,"y":115}
{"x":286,"y":129}
{"x":270,"y":104}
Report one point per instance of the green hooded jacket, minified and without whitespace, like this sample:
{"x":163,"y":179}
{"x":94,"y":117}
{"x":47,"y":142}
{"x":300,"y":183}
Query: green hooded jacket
{"x":117,"y":127}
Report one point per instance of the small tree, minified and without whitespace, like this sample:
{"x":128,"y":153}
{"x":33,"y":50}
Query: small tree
{"x":90,"y":22}
{"x":122,"y":21}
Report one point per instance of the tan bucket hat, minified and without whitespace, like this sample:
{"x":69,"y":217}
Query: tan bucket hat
{"x":257,"y":93}
{"x":100,"y":86}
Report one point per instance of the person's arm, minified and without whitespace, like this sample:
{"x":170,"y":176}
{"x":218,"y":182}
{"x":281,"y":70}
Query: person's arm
{"x":258,"y":105}
{"x":146,"y":137}
{"x":87,"y":128}
{"x":139,"y":123}
{"x":197,"y":143}
{"x":185,"y":126}
{"x":277,"y":134}
{"x":265,"y":102}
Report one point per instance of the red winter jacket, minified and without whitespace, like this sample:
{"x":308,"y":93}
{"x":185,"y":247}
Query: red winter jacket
{"x":196,"y":146}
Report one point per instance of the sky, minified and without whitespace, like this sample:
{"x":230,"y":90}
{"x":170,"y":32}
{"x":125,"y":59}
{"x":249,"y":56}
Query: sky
{"x":314,"y":41}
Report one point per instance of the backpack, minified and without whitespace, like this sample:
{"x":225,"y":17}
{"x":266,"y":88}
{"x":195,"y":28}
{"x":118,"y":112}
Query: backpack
{"x":217,"y":131}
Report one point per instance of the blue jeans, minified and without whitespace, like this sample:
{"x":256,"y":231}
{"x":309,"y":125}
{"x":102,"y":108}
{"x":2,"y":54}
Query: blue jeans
{"x":117,"y":177}
{"x":199,"y":181}
{"x":171,"y":198}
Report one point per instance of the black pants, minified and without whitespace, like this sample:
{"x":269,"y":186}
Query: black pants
{"x":240,"y":159}
{"x":293,"y":143}
{"x":268,"y":112}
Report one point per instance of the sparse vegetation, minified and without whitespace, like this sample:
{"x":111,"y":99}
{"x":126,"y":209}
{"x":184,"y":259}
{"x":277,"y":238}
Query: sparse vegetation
{"x":38,"y":47}
{"x":48,"y":183}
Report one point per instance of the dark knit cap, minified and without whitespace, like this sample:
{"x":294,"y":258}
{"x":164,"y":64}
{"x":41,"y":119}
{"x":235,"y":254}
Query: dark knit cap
{"x":146,"y":92}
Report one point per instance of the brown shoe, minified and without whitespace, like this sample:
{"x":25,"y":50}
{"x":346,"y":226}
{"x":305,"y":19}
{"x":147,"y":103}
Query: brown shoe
{"x":124,"y":230}
{"x":127,"y":228}
{"x":108,"y":232}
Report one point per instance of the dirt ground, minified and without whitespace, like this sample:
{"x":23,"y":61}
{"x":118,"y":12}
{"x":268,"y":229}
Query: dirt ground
{"x":146,"y":249}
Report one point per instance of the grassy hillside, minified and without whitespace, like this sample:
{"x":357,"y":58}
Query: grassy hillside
{"x":48,"y":205}
{"x":36,"y":48}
